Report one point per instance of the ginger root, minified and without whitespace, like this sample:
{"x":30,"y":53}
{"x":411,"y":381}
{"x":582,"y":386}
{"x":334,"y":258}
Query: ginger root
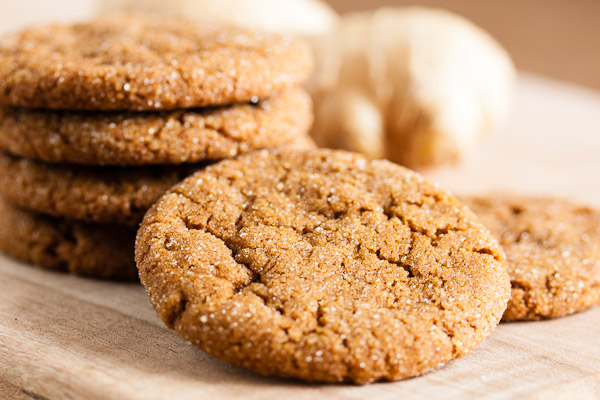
{"x":415,"y":85}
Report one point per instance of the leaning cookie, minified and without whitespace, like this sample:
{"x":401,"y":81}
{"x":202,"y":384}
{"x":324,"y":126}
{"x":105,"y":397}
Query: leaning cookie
{"x":128,"y":138}
{"x":96,"y":250}
{"x":553,"y":253}
{"x":321,"y":266}
{"x":144,"y":64}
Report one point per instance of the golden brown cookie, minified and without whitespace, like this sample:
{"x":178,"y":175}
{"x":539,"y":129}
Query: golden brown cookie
{"x":139,"y":64}
{"x":321,"y":266}
{"x":553,"y":253}
{"x":128,"y":138}
{"x":97,"y":250}
{"x":94,"y":194}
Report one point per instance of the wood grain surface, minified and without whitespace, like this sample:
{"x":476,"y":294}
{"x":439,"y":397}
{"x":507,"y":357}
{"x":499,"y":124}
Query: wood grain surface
{"x":63,"y":337}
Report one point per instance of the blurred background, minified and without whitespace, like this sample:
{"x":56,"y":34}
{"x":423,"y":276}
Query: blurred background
{"x":554,"y":38}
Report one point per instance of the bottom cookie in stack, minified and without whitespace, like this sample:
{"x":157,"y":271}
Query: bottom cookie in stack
{"x":99,"y":250}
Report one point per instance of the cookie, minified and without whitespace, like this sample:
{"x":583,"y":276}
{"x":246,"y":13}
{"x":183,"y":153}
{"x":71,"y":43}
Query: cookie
{"x":143,"y":64}
{"x":93,"y":194}
{"x":97,"y":250}
{"x":118,"y":138}
{"x":553,"y":253}
{"x":321,"y":266}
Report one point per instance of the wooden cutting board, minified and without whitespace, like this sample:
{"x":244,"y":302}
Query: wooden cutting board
{"x":63,"y":337}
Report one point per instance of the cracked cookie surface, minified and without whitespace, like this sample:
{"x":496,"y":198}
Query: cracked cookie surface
{"x":553,"y":252}
{"x":121,"y":138}
{"x":145,"y":64}
{"x":321,"y":266}
{"x":97,"y":250}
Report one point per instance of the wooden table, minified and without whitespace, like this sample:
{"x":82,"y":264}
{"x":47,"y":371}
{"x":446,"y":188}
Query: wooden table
{"x":63,"y":337}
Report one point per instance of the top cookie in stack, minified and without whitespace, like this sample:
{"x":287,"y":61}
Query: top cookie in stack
{"x":98,"y":119}
{"x":127,"y":64}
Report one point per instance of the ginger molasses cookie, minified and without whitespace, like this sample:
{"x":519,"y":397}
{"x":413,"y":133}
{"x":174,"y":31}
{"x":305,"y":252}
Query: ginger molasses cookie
{"x":97,"y":250}
{"x":553,"y":253}
{"x":145,"y":64}
{"x":322,"y":266}
{"x":94,"y":194}
{"x":129,"y":138}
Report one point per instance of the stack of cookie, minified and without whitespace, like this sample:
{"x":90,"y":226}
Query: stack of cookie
{"x":99,"y":119}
